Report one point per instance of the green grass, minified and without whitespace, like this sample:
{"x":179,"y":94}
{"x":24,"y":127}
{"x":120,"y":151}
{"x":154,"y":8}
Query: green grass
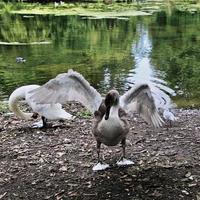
{"x":187,"y":103}
{"x":4,"y":107}
{"x":84,"y":114}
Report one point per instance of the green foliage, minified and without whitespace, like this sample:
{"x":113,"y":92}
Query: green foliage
{"x":6,"y":7}
{"x":2,"y":5}
{"x":187,"y":103}
{"x":179,"y":53}
{"x":4,"y":107}
{"x":84,"y":114}
{"x":16,"y":30}
{"x":19,"y":6}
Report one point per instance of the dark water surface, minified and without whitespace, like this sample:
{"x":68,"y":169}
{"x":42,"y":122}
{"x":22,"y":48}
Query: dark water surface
{"x":108,"y":52}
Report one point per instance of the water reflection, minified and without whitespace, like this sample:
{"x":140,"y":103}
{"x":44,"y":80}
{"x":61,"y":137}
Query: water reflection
{"x":108,"y":52}
{"x":141,"y":53}
{"x":88,"y":46}
{"x":177,"y":52}
{"x":144,"y":71}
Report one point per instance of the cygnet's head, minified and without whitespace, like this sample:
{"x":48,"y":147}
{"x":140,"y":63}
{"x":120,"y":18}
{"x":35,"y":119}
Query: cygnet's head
{"x":112,"y":99}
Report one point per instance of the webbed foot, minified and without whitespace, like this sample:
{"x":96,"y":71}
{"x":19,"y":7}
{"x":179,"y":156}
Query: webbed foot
{"x":99,"y":166}
{"x":38,"y":124}
{"x":124,"y":162}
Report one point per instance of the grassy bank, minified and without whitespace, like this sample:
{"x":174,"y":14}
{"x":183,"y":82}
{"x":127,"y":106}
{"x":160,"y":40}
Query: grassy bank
{"x":101,"y":10}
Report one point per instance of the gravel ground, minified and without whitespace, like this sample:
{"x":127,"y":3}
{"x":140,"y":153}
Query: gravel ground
{"x":56,"y":162}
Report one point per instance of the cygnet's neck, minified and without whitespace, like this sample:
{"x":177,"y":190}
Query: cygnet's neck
{"x":114,"y":110}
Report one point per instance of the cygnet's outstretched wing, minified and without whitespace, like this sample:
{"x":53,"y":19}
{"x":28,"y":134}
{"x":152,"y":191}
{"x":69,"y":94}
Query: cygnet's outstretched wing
{"x":66,"y":87}
{"x":139,"y":99}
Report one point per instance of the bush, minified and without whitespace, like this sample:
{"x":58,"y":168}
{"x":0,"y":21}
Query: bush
{"x":2,"y":5}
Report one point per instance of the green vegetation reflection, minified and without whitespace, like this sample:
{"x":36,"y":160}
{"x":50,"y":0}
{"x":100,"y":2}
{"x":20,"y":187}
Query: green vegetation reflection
{"x":89,"y":46}
{"x":101,"y":50}
{"x":178,"y":55}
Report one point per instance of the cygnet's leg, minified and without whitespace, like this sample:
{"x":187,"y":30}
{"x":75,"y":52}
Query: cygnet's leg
{"x":98,"y":151}
{"x":170,"y":123}
{"x":99,"y":166}
{"x":123,"y":160}
{"x":123,"y":143}
{"x":44,"y":120}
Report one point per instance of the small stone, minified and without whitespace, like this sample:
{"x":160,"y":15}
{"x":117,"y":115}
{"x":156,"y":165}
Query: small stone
{"x":188,"y":174}
{"x":185,"y":192}
{"x":63,"y":169}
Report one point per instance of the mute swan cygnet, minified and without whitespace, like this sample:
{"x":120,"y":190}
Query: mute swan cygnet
{"x":46,"y":111}
{"x":110,"y":113}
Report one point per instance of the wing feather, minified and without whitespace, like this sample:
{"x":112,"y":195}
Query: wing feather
{"x":139,"y":99}
{"x":70,"y":86}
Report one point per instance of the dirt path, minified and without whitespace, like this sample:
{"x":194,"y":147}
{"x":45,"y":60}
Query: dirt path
{"x":56,"y":163}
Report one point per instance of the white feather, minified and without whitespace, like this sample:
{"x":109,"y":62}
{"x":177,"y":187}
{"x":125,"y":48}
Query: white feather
{"x":66,"y":87}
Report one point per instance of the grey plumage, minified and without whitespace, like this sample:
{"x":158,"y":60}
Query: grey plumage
{"x":110,"y":114}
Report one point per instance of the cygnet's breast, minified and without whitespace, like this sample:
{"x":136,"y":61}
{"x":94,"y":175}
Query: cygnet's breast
{"x":112,"y":130}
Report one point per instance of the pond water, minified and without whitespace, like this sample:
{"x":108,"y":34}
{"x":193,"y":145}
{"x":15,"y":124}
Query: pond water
{"x":108,"y":52}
